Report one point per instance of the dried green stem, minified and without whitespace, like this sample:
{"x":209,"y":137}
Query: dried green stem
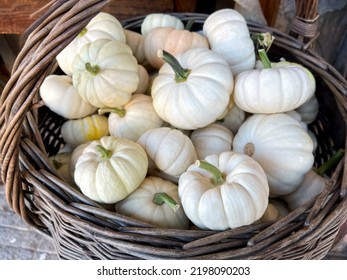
{"x":217,"y":178}
{"x":94,"y":70}
{"x":120,"y":112}
{"x":161,"y":198}
{"x":264,"y":58}
{"x":105,"y":154}
{"x":181,"y":74}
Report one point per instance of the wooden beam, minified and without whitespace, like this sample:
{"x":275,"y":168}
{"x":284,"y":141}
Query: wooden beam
{"x":17,"y":15}
{"x":270,"y":10}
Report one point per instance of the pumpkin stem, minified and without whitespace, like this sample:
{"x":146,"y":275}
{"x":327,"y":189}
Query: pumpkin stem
{"x":217,"y":175}
{"x":264,"y":58}
{"x":161,"y":198}
{"x":94,"y":70}
{"x":83,"y":32}
{"x":263,"y":40}
{"x":120,"y":112}
{"x":57,"y":164}
{"x":181,"y":74}
{"x":189,"y":24}
{"x":249,"y":149}
{"x":105,"y":154}
{"x":330,"y":162}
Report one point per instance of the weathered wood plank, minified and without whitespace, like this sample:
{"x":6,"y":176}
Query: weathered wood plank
{"x":16,"y":16}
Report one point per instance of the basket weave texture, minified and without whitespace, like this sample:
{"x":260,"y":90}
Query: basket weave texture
{"x":82,"y":229}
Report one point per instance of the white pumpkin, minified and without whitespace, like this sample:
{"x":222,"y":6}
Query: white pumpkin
{"x":233,"y":118}
{"x":231,"y":191}
{"x":276,"y":209}
{"x":170,"y":150}
{"x":75,"y":154}
{"x":283,"y":87}
{"x":61,"y":163}
{"x":281,"y":146}
{"x":102,"y":26}
{"x":156,"y":202}
{"x":61,"y":97}
{"x":312,"y":185}
{"x":228,"y":35}
{"x":79,"y":131}
{"x":155,"y":20}
{"x":309,"y":110}
{"x":143,"y":84}
{"x":134,"y":118}
{"x":314,"y":182}
{"x":196,"y":92}
{"x":110,"y":169}
{"x":105,"y":73}
{"x":211,"y":139}
{"x":297,"y":116}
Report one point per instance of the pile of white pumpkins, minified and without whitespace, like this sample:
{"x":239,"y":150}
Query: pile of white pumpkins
{"x":183,"y":129}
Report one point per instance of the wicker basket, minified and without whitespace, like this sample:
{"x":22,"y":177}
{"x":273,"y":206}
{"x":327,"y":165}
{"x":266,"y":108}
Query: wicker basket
{"x":82,"y":229}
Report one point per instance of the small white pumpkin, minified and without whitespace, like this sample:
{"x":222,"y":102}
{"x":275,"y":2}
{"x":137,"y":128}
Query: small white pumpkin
{"x":282,"y":147}
{"x":105,"y":73}
{"x":211,"y":139}
{"x":228,"y":190}
{"x":143,"y":84}
{"x":233,"y":118}
{"x":309,"y":110}
{"x":79,"y":131}
{"x":156,"y":202}
{"x":134,"y":118}
{"x":110,"y":169}
{"x":314,"y":182}
{"x":155,"y":20}
{"x":102,"y":26}
{"x":170,"y":150}
{"x":276,"y":209}
{"x":194,"y":90}
{"x":297,"y":116}
{"x":228,"y":35}
{"x":61,"y":163}
{"x":61,"y":97}
{"x":312,"y":185}
{"x":75,"y":154}
{"x":283,"y":87}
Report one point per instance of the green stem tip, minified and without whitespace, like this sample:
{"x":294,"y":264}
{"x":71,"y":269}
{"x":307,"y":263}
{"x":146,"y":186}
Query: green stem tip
{"x":94,"y":70}
{"x":83,"y":32}
{"x":120,"y":112}
{"x":217,"y":178}
{"x":161,"y":198}
{"x":57,"y":165}
{"x":181,"y":74}
{"x":264,"y":58}
{"x":105,"y":154}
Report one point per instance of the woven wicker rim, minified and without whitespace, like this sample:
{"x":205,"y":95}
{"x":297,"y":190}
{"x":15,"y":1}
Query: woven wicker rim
{"x":82,"y":229}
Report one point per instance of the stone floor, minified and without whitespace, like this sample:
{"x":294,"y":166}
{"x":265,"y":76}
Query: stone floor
{"x":18,"y":241}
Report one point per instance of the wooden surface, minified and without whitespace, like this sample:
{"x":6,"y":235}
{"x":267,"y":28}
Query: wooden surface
{"x":17,"y":15}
